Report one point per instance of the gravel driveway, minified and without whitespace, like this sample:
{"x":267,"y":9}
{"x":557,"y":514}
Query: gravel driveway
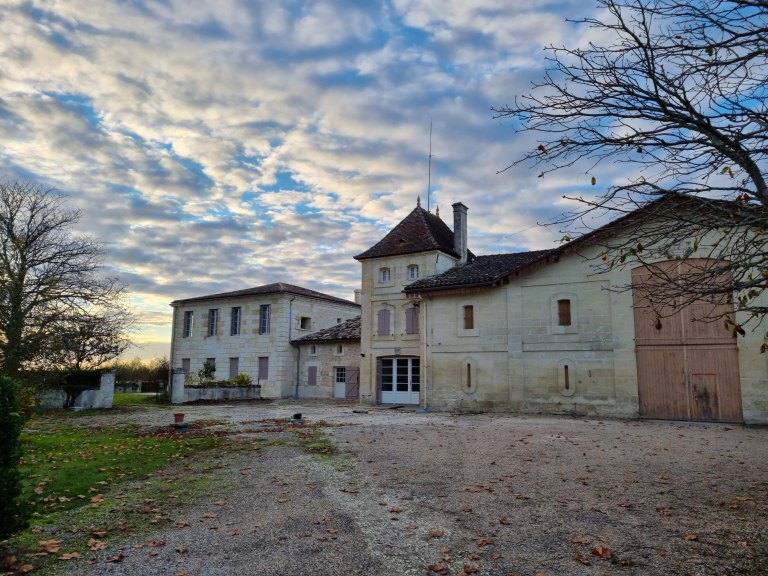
{"x":430,"y":493}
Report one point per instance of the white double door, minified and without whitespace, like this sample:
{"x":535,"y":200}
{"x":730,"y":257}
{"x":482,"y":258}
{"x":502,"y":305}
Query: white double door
{"x":400,"y":380}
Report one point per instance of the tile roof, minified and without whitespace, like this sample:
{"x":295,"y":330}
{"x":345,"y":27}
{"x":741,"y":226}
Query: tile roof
{"x":349,"y":330}
{"x":275,"y":288}
{"x":420,"y":231}
{"x":482,"y":271}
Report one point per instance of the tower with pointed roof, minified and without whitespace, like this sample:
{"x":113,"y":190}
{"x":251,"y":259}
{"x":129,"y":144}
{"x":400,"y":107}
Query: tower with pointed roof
{"x":392,"y":346}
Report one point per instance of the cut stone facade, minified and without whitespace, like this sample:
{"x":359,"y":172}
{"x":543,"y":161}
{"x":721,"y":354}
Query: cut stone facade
{"x":261,"y":349}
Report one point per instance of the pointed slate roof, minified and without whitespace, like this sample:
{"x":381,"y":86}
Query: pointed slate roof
{"x":349,"y":330}
{"x":420,"y":231}
{"x":275,"y":288}
{"x":482,"y":271}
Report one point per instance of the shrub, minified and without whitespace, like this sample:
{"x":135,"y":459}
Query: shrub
{"x":13,"y":511}
{"x":242,"y":380}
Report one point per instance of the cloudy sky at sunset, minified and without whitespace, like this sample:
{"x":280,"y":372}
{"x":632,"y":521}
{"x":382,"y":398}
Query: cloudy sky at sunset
{"x":217,"y":145}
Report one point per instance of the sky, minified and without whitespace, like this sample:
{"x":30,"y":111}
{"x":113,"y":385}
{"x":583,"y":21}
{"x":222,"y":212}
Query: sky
{"x":223,"y":144}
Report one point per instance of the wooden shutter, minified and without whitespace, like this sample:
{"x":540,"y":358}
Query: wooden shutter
{"x":469,"y":317}
{"x":312,"y":376}
{"x":564,"y":312}
{"x":264,"y":368}
{"x":353,"y":382}
{"x":411,"y":320}
{"x":383,"y":323}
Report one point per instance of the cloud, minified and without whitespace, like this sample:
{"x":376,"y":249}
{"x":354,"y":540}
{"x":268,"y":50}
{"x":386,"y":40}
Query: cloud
{"x":217,"y":145}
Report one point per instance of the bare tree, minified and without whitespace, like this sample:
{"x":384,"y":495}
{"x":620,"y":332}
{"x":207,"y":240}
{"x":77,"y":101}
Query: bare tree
{"x":677,"y":91}
{"x":49,"y":279}
{"x":88,"y":339}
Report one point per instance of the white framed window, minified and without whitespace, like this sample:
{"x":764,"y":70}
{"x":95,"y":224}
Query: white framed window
{"x":189,"y":319}
{"x":234,"y":324}
{"x":264,"y":313}
{"x":413,"y":272}
{"x":384,"y":275}
{"x":213,"y":321}
{"x":340,"y":374}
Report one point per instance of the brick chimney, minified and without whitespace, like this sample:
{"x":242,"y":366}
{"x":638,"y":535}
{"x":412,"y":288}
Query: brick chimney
{"x":460,"y":231}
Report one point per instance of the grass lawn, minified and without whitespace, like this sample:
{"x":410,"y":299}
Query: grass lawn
{"x":83,"y":480}
{"x":134,"y":399}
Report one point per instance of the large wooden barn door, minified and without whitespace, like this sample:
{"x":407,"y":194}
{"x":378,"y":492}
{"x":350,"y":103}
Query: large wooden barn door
{"x":686,"y":369}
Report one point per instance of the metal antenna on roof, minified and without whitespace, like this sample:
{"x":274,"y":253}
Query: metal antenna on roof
{"x":429,"y":176}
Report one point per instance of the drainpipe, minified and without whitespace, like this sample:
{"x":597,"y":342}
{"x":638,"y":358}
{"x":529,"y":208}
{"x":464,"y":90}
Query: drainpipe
{"x":290,"y":340}
{"x":426,"y":334}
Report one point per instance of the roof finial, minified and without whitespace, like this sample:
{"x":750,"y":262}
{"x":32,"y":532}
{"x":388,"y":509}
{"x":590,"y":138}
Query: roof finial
{"x":418,"y":201}
{"x":437,"y":211}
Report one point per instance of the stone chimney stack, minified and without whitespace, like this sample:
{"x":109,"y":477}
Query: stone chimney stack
{"x":460,"y":231}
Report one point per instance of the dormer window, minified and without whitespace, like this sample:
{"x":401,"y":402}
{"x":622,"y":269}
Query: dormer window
{"x":384,"y":275}
{"x":413,"y":272}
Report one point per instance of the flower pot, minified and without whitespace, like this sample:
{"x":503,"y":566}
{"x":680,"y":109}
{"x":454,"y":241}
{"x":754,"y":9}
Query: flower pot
{"x":178,"y":418}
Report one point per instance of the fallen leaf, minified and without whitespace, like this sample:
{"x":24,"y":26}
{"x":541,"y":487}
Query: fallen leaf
{"x":182,"y":524}
{"x":137,"y":546}
{"x":234,"y":532}
{"x":691,"y":537}
{"x":466,"y":509}
{"x":25,"y":568}
{"x":94,"y":544}
{"x":210,"y":515}
{"x":504,"y":521}
{"x":743,"y":543}
{"x":182,"y":549}
{"x":579,"y":540}
{"x":603,"y":552}
{"x":495,"y":556}
{"x":69,"y":556}
{"x":395,"y":509}
{"x":282,"y":500}
{"x":97,"y":499}
{"x":439,"y":568}
{"x":473,"y":556}
{"x":116,"y":558}
{"x":435,"y":533}
{"x":579,"y":558}
{"x":50,"y":546}
{"x":483,"y":542}
{"x":470,"y":569}
{"x":155,"y":543}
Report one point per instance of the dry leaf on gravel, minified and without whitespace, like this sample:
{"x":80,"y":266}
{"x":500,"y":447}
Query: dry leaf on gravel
{"x":602,"y":551}
{"x":483,"y":542}
{"x":691,"y":537}
{"x":435,"y":533}
{"x":69,"y":556}
{"x":439,"y":568}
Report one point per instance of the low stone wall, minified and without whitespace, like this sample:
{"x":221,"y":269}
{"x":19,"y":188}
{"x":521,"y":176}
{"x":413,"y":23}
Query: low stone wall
{"x":181,"y":394}
{"x":101,"y":397}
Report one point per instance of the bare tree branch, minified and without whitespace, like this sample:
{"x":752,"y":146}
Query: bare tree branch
{"x":678,"y":91}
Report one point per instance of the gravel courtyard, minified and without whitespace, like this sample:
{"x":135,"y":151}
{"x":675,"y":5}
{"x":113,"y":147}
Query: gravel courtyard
{"x":431,"y":493}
